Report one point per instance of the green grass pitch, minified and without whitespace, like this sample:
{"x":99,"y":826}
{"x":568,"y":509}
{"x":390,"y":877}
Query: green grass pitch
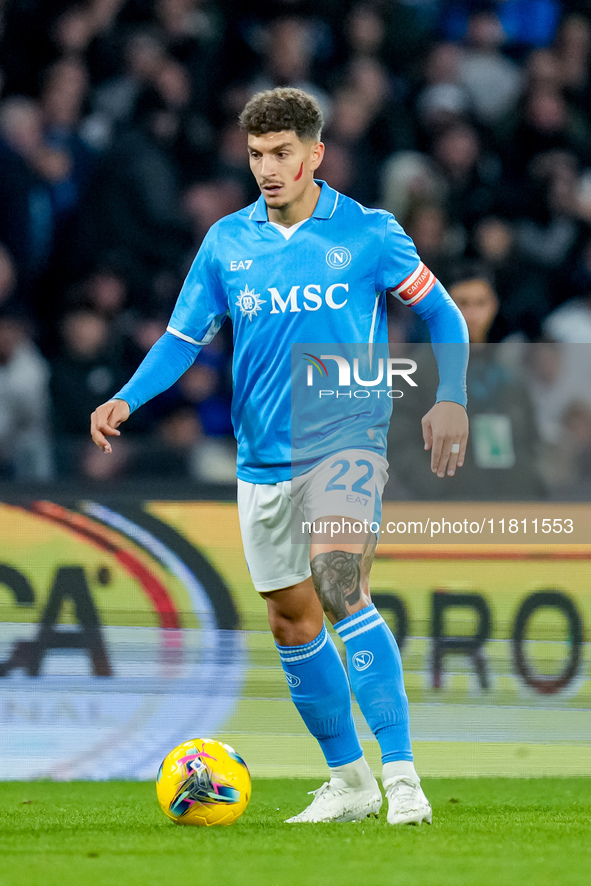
{"x":485,"y":832}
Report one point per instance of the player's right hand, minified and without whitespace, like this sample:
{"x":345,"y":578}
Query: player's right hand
{"x":105,"y":420}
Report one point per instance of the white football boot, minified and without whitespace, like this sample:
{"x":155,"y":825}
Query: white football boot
{"x":407,"y":803}
{"x":338,"y":801}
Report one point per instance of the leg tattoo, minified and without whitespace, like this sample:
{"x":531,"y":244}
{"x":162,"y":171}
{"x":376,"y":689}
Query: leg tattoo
{"x":337,"y":579}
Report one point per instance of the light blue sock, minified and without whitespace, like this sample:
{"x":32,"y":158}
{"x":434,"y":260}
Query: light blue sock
{"x":375,"y":672}
{"x":320,"y":691}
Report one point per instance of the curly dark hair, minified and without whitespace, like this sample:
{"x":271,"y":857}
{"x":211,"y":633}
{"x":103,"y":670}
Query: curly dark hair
{"x":283,"y":108}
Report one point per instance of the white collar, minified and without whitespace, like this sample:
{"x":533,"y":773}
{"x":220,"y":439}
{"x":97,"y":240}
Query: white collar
{"x":288,"y":232}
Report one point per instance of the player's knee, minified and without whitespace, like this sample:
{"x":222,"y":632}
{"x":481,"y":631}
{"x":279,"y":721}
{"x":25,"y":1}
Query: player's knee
{"x":293,"y":628}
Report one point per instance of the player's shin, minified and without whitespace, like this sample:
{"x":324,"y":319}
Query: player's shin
{"x":320,"y":691}
{"x":375,"y":672}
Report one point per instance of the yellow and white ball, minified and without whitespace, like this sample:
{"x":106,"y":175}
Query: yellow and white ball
{"x":203,"y":782}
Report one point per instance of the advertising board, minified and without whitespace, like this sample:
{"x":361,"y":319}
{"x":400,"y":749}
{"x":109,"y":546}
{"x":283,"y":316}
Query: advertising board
{"x":126,"y":628}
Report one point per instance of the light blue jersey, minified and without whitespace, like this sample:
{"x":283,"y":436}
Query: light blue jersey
{"x":323,"y":280}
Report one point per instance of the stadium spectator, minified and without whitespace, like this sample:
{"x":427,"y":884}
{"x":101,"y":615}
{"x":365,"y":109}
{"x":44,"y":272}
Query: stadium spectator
{"x":442,"y":64}
{"x":576,"y":453}
{"x":193,"y":144}
{"x":437,"y":243}
{"x":113,"y":101}
{"x":65,"y":160}
{"x":365,"y":33}
{"x":409,"y":177}
{"x":26,"y":220}
{"x":201,"y":389}
{"x":390,"y":127}
{"x":231,"y":162}
{"x":206,"y":202}
{"x":474,"y":294}
{"x":522,"y":286}
{"x":441,"y":99}
{"x":546,"y":123}
{"x":483,"y":63}
{"x":288,"y":46}
{"x":338,"y":166}
{"x":84,"y":465}
{"x":119,"y":144}
{"x":577,"y":280}
{"x":437,"y":108}
{"x":504,"y":450}
{"x":349,"y":126}
{"x":471,"y":177}
{"x":550,"y":233}
{"x":105,"y":291}
{"x":89,"y":30}
{"x":7,"y":278}
{"x":524,"y":22}
{"x":571,"y":322}
{"x":25,"y":449}
{"x":573,"y":49}
{"x":133,"y":214}
{"x":87,"y":367}
{"x":137,"y":341}
{"x":390,"y":34}
{"x":192,"y":32}
{"x":543,"y":68}
{"x":557,"y":376}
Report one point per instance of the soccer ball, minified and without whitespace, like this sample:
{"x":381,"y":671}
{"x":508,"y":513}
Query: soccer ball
{"x":203,"y":782}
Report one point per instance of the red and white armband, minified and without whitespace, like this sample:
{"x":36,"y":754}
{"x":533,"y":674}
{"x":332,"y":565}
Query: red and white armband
{"x":416,"y":286}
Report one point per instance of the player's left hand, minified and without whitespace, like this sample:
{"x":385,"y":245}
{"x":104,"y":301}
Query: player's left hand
{"x":446,"y":426}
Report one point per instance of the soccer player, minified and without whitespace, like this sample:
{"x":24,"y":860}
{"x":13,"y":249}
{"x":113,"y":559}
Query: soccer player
{"x":307,"y":264}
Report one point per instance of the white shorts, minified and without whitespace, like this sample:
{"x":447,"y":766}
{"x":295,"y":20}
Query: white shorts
{"x":275,"y":517}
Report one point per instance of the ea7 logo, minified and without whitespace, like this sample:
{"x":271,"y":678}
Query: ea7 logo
{"x":241,"y":265}
{"x":362,"y":660}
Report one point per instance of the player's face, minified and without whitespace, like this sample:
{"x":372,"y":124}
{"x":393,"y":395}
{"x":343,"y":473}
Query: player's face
{"x":283,"y":166}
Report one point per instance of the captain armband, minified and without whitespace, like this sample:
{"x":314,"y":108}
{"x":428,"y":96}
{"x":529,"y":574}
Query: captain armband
{"x":416,"y":286}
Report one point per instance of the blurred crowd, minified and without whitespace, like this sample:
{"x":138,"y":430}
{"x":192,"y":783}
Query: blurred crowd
{"x":119,"y":148}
